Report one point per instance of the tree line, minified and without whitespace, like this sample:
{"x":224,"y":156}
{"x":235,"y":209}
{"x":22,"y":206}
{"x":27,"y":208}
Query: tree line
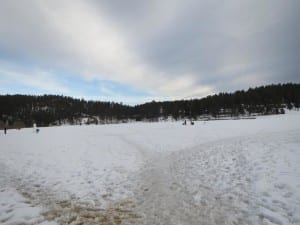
{"x":48,"y":110}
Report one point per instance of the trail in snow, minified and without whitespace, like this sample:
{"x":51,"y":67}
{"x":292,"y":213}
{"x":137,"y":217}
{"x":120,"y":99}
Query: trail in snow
{"x":217,"y":183}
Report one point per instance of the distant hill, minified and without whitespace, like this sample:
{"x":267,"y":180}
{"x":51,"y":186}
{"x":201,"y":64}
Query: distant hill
{"x":47,"y":110}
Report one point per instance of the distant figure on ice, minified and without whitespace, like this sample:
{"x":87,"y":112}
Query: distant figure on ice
{"x":5,"y":130}
{"x":184,"y":122}
{"x":35,"y":129}
{"x":192,"y":122}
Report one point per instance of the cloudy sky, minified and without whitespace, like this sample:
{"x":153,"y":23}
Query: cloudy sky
{"x":133,"y":51}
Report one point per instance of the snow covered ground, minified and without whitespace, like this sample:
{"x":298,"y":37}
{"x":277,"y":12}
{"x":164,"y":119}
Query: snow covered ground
{"x":215,"y":172}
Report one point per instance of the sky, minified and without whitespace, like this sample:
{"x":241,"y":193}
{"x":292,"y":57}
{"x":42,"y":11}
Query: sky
{"x":136,"y":51}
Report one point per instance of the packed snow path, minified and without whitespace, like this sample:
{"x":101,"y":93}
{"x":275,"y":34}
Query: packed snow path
{"x":217,"y":172}
{"x":219,"y":183}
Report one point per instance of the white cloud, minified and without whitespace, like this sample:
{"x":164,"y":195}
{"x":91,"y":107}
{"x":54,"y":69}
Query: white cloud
{"x":166,"y":48}
{"x":82,"y":40}
{"x":37,"y":79}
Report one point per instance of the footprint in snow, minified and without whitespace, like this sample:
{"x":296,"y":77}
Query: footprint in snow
{"x":280,"y":186}
{"x":288,"y":195}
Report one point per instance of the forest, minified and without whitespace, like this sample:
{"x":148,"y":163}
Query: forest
{"x":47,"y":110}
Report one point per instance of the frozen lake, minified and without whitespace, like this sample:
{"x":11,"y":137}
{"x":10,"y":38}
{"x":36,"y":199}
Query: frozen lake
{"x":215,"y":172}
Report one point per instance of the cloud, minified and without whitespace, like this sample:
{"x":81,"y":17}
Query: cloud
{"x":205,"y":38}
{"x":39,"y":80}
{"x":168,"y":49}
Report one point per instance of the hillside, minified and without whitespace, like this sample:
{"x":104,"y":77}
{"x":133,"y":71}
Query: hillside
{"x":24,"y":110}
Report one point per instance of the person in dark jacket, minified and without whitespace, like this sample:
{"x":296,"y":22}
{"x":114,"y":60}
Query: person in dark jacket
{"x":5,"y":130}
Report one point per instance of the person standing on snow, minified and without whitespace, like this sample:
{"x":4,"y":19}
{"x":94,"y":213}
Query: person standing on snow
{"x":35,"y":129}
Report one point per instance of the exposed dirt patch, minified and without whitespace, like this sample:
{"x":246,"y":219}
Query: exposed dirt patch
{"x":66,"y":212}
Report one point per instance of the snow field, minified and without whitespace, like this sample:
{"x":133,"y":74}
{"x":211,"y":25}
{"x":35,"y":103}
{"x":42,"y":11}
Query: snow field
{"x":243,"y":181}
{"x":215,"y":172}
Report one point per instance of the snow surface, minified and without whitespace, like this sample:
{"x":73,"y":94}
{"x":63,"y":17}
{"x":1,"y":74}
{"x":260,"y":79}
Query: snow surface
{"x":215,"y":172}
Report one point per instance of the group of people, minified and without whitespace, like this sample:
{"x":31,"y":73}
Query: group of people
{"x":35,"y":129}
{"x":184,"y":122}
